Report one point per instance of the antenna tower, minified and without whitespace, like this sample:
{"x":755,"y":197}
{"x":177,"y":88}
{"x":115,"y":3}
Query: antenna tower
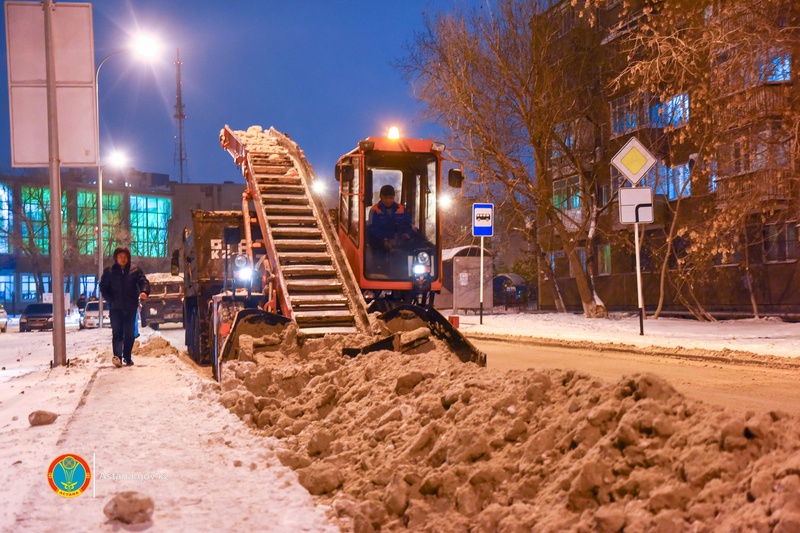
{"x":179,"y":116}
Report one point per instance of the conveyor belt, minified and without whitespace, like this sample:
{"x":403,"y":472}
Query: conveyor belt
{"x":315,"y":286}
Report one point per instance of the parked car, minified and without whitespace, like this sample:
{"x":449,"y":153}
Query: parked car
{"x":90,"y":315}
{"x":3,"y":319}
{"x":165,"y":303}
{"x":36,"y":316}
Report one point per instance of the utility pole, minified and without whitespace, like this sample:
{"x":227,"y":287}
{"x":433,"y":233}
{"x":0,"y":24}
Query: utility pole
{"x":179,"y":116}
{"x":56,"y":245}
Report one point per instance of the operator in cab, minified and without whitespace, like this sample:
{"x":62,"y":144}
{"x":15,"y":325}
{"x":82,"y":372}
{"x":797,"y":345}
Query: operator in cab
{"x":388,"y":222}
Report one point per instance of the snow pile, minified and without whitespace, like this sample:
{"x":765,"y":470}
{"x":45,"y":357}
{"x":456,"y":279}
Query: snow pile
{"x":428,"y":443}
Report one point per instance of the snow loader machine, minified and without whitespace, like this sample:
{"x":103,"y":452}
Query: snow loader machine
{"x":283,"y":262}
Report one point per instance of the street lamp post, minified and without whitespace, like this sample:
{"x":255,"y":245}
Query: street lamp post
{"x":144,"y":47}
{"x":117,"y":160}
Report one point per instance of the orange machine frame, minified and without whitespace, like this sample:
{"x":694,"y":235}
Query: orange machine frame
{"x":355,"y":251}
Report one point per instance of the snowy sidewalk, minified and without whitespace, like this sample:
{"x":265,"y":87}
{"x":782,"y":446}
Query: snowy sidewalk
{"x":766,"y":336}
{"x":149,"y":431}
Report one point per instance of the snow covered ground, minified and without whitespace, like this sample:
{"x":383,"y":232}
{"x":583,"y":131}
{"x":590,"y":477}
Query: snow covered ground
{"x":767,"y":336}
{"x":159,"y":420}
{"x":160,"y":417}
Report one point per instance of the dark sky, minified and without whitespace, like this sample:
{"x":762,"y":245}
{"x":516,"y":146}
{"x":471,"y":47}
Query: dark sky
{"x":320,"y":70}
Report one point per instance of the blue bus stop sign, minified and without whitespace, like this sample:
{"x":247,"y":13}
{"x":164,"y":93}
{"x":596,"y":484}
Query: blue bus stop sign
{"x":482,"y":220}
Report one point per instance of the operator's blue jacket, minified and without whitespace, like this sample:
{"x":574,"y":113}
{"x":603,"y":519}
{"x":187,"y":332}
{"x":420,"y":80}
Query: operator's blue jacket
{"x":387,"y":222}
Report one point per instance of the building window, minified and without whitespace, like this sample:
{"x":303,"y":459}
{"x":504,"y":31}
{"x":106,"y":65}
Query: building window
{"x":603,"y":195}
{"x":558,"y":263}
{"x":776,"y":69}
{"x":567,"y":193}
{"x":6,"y":287}
{"x":674,"y":112}
{"x":729,"y":250}
{"x":626,"y":114}
{"x":780,"y":242}
{"x":150,"y":216}
{"x":36,"y":210}
{"x":672,"y":182}
{"x":678,"y":181}
{"x":563,"y":139}
{"x":581,"y":253}
{"x":741,"y":156}
{"x":87,"y":285}
{"x":87,"y":221}
{"x":28,"y":286}
{"x":6,"y":219}
{"x":112,"y":220}
{"x":712,"y":176}
{"x":603,"y":259}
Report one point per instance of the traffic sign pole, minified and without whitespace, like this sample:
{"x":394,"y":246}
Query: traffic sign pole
{"x":481,"y":289}
{"x":482,"y":226}
{"x":639,"y":279}
{"x":634,"y":160}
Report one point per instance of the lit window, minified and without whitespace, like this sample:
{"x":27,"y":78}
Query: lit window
{"x":6,"y":219}
{"x":28,"y":288}
{"x":36,"y":210}
{"x":674,"y":112}
{"x":87,"y":285}
{"x":626,"y":114}
{"x":777,"y":68}
{"x":672,"y":182}
{"x":567,"y":193}
{"x":150,"y":217}
{"x":87,"y":221}
{"x":7,"y":287}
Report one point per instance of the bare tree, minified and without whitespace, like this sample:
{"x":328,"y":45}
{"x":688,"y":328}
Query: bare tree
{"x":733,"y":60}
{"x":517,"y":89}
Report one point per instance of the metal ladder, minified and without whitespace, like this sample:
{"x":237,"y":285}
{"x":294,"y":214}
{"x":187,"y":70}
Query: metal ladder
{"x":314,"y":284}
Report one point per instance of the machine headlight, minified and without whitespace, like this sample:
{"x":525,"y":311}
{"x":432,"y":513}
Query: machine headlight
{"x":245,"y":273}
{"x":419,"y":269}
{"x":423,"y":258}
{"x":153,"y":311}
{"x":240,"y":261}
{"x":23,"y":319}
{"x":50,"y":319}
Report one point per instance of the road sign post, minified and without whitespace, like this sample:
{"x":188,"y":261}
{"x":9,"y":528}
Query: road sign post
{"x":482,"y":226}
{"x":635,"y":203}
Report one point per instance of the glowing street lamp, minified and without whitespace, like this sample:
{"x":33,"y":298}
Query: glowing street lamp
{"x":318,"y":186}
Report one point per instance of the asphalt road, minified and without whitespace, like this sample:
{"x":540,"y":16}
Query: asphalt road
{"x":741,"y":386}
{"x":738,"y":386}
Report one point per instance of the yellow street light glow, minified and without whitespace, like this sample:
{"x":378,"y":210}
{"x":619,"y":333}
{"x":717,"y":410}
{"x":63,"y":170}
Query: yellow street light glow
{"x":117,"y":159}
{"x":394,"y":132}
{"x":146,"y":47}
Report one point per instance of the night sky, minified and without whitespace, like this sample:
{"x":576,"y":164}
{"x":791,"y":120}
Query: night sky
{"x":320,"y":70}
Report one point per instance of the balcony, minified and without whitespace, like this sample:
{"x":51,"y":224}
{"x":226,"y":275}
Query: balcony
{"x":752,"y":105}
{"x":767,"y":185}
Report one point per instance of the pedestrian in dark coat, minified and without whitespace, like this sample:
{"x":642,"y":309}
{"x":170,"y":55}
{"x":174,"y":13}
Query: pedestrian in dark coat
{"x":123,"y":284}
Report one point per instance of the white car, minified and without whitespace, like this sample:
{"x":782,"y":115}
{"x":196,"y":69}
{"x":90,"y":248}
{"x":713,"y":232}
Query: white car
{"x":89,"y":319}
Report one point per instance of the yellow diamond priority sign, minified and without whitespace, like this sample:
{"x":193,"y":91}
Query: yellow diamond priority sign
{"x":634,"y":160}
